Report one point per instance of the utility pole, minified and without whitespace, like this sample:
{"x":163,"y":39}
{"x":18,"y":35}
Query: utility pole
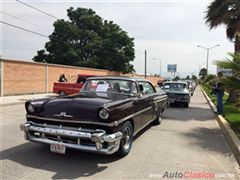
{"x":145,"y":72}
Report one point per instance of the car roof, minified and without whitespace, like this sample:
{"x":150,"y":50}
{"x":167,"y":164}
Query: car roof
{"x":118,"y":78}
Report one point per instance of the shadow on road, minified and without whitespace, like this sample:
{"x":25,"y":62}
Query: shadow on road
{"x":186,"y":114}
{"x":73,"y":164}
{"x":210,"y":139}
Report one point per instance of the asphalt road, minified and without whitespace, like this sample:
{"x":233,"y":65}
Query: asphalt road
{"x":188,"y":140}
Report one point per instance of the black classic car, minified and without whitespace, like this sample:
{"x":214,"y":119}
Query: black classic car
{"x":104,"y":117}
{"x":178,"y":93}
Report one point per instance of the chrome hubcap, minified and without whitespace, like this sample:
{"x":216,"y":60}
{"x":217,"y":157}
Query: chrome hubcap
{"x":126,"y":138}
{"x":160,"y":116}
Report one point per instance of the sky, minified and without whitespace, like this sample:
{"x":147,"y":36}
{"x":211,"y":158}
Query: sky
{"x":169,"y":30}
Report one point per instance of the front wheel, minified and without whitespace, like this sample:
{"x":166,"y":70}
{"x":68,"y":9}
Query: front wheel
{"x":127,"y":139}
{"x":158,"y":120}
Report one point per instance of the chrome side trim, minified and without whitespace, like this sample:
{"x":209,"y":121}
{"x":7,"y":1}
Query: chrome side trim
{"x":132,"y":115}
{"x":160,"y":100}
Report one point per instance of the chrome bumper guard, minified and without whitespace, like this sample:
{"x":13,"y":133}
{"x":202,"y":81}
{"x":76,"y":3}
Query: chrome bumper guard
{"x":97,"y":136}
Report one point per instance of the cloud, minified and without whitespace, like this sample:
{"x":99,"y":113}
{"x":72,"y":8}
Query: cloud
{"x":168,"y":30}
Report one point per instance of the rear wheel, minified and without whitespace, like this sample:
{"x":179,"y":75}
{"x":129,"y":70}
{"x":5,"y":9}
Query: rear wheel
{"x":171,"y":104}
{"x":62,"y":93}
{"x":127,"y":139}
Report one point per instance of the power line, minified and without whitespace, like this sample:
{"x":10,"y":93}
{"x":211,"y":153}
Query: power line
{"x":18,"y":27}
{"x":38,"y":9}
{"x":30,"y":31}
{"x":29,"y":22}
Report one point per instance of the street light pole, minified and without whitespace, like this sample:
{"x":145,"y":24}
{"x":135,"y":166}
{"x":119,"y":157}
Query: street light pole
{"x":207,"y":49}
{"x":145,"y":72}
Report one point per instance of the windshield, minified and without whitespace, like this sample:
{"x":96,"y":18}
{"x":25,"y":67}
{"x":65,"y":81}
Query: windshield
{"x":110,"y":86}
{"x":174,"y":86}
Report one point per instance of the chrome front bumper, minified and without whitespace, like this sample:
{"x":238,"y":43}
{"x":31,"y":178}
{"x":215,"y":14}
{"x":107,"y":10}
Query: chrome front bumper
{"x":100,"y":141}
{"x":172,"y":100}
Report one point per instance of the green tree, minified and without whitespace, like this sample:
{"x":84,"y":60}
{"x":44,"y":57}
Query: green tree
{"x":187,"y":78}
{"x":88,"y":40}
{"x":117,"y":49}
{"x":194,"y":77}
{"x":225,"y":12}
{"x":203,"y":73}
{"x":210,"y":79}
{"x":176,"y":78}
{"x":232,"y":83}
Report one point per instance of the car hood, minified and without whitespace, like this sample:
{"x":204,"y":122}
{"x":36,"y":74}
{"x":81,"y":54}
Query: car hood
{"x":75,"y":107}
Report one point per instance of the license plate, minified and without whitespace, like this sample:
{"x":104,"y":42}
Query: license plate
{"x":58,"y":148}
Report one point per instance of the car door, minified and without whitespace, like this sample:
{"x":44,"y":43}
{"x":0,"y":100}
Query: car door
{"x":146,"y":102}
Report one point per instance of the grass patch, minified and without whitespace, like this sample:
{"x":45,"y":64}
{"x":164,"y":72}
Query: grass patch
{"x":231,"y":113}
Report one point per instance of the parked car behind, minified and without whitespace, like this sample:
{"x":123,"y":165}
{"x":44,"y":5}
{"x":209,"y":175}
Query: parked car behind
{"x":104,"y":117}
{"x":66,"y":88}
{"x":177,"y":93}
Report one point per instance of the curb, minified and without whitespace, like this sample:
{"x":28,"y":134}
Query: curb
{"x":231,"y":137}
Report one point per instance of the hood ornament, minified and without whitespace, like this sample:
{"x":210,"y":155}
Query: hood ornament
{"x":62,"y":114}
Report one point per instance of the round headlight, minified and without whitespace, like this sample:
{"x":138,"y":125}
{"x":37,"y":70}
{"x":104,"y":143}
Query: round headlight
{"x":30,"y":108}
{"x":103,"y":114}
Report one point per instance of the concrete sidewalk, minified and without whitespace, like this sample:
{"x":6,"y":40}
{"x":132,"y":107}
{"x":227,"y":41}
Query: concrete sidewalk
{"x":19,"y":99}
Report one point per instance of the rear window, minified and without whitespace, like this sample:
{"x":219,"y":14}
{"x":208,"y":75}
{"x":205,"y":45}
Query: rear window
{"x":174,"y":86}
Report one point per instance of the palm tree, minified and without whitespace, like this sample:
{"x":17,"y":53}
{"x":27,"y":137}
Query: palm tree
{"x":225,"y":12}
{"x":232,"y":83}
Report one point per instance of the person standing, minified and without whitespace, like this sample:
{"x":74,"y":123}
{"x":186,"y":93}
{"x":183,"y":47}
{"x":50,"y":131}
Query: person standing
{"x":219,"y":90}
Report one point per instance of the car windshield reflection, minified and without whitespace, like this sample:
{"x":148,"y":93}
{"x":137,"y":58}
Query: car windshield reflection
{"x":109,"y":88}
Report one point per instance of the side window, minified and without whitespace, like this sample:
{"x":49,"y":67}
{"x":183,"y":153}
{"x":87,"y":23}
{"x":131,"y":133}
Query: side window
{"x":147,"y":88}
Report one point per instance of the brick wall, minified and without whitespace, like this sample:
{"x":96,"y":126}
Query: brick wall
{"x":19,"y":77}
{"x":153,"y":79}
